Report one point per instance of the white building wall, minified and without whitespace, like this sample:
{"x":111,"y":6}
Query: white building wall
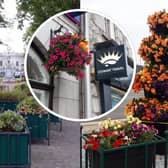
{"x":12,"y":61}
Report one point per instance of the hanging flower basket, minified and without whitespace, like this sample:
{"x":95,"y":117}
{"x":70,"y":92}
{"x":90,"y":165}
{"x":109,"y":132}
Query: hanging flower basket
{"x":121,"y":143}
{"x":153,"y":49}
{"x":148,"y":109}
{"x":154,"y":80}
{"x":69,"y":53}
{"x":158,"y":22}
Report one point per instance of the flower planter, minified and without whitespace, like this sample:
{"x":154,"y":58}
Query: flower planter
{"x":8,"y":105}
{"x":38,"y":125}
{"x":54,"y":119}
{"x":138,"y":156}
{"x":162,"y":127}
{"x":15,"y":149}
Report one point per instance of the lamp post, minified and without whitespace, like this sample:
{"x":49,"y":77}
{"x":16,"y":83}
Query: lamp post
{"x":87,"y":93}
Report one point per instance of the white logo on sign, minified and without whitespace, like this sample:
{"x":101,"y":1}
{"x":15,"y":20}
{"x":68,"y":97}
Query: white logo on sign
{"x":109,"y":59}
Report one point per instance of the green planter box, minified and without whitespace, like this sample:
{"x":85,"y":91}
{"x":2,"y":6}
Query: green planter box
{"x":54,"y":119}
{"x":8,"y":105}
{"x":137,"y":155}
{"x":38,"y":125}
{"x":15,"y":149}
{"x":161,"y":127}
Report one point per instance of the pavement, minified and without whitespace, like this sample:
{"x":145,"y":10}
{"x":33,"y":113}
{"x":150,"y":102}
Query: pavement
{"x":63,"y":151}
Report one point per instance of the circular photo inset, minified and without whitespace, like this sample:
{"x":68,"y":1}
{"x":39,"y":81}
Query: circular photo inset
{"x":79,"y":65}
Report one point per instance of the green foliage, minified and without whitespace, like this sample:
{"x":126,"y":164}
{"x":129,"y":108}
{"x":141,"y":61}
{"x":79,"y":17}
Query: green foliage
{"x":36,"y":12}
{"x":11,"y":121}
{"x":29,"y":106}
{"x":3,"y":20}
{"x":17,"y":94}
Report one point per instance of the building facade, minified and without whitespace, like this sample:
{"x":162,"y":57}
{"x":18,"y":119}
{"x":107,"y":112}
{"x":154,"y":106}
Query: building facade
{"x":11,"y":65}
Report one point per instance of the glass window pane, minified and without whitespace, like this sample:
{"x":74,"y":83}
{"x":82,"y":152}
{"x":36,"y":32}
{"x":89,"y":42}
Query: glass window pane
{"x":36,"y":69}
{"x":43,"y":96}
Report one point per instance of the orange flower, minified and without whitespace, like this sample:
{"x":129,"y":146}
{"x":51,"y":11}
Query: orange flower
{"x":84,"y":45}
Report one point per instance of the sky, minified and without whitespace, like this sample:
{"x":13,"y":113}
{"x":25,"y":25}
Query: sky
{"x":131,"y":15}
{"x":11,"y":36}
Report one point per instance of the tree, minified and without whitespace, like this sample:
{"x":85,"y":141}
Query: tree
{"x":3,"y":22}
{"x":36,"y":12}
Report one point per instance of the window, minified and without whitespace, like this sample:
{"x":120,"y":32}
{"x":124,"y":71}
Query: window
{"x":39,"y":78}
{"x":36,"y":69}
{"x":1,"y":63}
{"x":115,"y":98}
{"x":43,"y":96}
{"x":17,"y":63}
{"x":116,"y":95}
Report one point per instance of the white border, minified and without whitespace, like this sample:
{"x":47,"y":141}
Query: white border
{"x":67,"y":118}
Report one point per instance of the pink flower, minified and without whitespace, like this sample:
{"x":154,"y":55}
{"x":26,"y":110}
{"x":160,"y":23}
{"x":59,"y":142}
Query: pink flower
{"x":50,"y":61}
{"x":62,"y":54}
{"x":57,"y":50}
{"x":70,"y":46}
{"x":80,"y":62}
{"x":54,"y":57}
{"x":65,"y":40}
{"x":80,"y":75}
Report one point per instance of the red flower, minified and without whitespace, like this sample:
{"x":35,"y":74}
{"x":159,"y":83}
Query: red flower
{"x":117,"y":143}
{"x":92,"y":143}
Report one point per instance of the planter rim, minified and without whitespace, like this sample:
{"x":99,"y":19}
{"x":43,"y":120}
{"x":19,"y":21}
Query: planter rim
{"x":8,"y":101}
{"x":26,"y":131}
{"x":24,"y":114}
{"x":157,"y":139}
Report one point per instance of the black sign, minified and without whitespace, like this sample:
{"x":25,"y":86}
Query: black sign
{"x":110,"y":62}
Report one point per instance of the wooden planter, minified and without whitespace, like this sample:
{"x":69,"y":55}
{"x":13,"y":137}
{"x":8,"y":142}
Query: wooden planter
{"x":136,"y":155}
{"x":38,"y":126}
{"x":8,"y":105}
{"x":15,"y":149}
{"x":162,"y":127}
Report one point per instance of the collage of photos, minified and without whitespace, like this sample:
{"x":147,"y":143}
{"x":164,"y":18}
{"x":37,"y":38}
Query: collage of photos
{"x":83,"y":84}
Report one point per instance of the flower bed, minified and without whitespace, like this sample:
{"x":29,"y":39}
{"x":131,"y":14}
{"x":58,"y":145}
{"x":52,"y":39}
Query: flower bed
{"x":116,"y":140}
{"x":68,"y":53}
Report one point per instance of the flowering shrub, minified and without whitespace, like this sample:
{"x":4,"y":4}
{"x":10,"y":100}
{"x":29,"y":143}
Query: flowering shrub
{"x":158,"y":22}
{"x":68,"y":53}
{"x":148,"y":109}
{"x":154,"y":49}
{"x":120,"y":133}
{"x":30,"y":106}
{"x":154,"y":80}
{"x":11,"y":121}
